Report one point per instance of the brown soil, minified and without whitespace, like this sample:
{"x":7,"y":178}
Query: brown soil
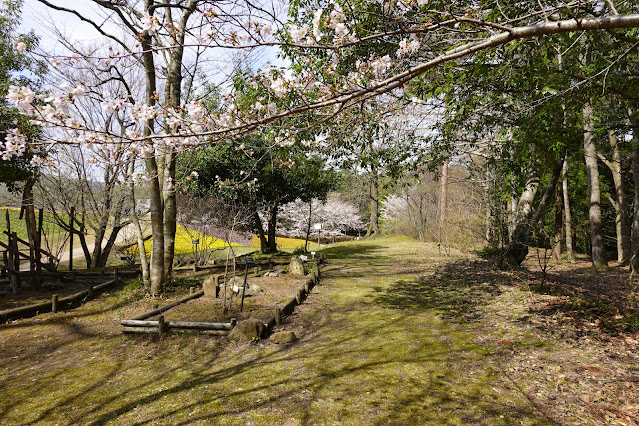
{"x":275,"y":291}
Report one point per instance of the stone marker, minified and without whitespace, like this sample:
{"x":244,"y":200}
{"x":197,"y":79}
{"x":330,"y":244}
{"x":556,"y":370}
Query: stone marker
{"x":209,"y":286}
{"x":247,"y":330}
{"x":296,"y":267}
{"x":283,"y":337}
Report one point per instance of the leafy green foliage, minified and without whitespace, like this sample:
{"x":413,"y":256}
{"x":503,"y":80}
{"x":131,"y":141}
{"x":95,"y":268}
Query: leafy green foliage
{"x":16,"y":69}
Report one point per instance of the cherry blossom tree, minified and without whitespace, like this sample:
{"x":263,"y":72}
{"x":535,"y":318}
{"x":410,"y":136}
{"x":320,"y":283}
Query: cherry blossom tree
{"x":340,"y":54}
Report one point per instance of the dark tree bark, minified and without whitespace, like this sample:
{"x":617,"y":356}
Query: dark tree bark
{"x":272,"y":229}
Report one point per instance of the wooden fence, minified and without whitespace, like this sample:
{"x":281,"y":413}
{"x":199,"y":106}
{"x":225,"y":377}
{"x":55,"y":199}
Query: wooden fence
{"x":57,"y":303}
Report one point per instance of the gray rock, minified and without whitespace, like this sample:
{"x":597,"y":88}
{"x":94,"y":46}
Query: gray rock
{"x":271,"y":274}
{"x":283,"y":337}
{"x":247,"y":330}
{"x":250,"y":291}
{"x":296,"y":267}
{"x":235,"y":281}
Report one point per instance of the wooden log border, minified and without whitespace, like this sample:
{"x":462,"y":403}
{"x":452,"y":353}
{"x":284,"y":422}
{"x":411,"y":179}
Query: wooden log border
{"x":301,"y":294}
{"x":140,"y":325}
{"x":56,"y":304}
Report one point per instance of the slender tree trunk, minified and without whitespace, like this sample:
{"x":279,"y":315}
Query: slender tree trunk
{"x":443,"y":185}
{"x":558,"y":225}
{"x":622,"y":224}
{"x":512,"y":215}
{"x":144,"y":264}
{"x":272,"y":229}
{"x":173,"y":95}
{"x":634,"y":259}
{"x":157,"y":275}
{"x":373,"y":224}
{"x":28,"y":209}
{"x":567,"y":215}
{"x":170,"y":214}
{"x":590,"y":155}
{"x":308,"y":227}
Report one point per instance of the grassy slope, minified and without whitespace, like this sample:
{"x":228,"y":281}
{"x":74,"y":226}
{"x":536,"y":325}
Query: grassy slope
{"x":371,"y":352}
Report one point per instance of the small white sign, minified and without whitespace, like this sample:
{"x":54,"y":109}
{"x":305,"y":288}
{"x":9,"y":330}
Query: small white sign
{"x":317,"y":226}
{"x":304,"y":258}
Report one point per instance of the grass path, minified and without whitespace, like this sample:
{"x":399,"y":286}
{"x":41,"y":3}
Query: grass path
{"x":384,"y":340}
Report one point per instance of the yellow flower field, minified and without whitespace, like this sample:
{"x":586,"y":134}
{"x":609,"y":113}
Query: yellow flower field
{"x":184,"y":242}
{"x":285,"y":243}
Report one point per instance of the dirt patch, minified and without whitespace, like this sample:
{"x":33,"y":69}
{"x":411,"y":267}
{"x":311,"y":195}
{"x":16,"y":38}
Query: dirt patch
{"x":29,"y":296}
{"x":275,"y":291}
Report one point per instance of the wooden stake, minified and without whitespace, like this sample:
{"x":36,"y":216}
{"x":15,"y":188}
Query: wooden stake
{"x":161,"y":326}
{"x":278,"y":316}
{"x":54,"y":303}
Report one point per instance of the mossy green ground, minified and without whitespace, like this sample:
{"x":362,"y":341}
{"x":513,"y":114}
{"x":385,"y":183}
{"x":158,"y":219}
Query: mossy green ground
{"x":375,"y":347}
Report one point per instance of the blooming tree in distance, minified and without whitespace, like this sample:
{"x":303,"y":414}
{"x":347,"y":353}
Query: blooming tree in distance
{"x":339,"y":55}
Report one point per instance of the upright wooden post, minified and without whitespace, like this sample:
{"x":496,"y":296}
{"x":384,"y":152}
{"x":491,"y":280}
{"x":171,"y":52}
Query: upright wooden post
{"x":278,"y":316}
{"x":161,"y":326}
{"x":71,"y":219}
{"x":256,"y":271}
{"x":16,"y":258}
{"x":54,"y":303}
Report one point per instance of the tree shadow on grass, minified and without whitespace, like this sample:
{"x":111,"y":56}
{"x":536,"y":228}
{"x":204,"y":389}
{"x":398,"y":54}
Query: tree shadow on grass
{"x":355,"y":252}
{"x":457,"y":291}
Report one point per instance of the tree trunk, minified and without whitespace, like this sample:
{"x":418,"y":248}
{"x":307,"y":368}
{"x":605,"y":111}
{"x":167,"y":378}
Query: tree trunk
{"x":558,"y":225}
{"x":157,"y":275}
{"x":260,"y":232}
{"x":526,"y":219}
{"x":567,"y":215}
{"x":619,"y":203}
{"x":28,"y":209}
{"x":634,"y":259}
{"x":590,"y":155}
{"x":144,"y":264}
{"x":373,"y":224}
{"x":272,"y":228}
{"x":170,"y":214}
{"x":518,"y":244}
{"x":308,"y":227}
{"x":443,"y":185}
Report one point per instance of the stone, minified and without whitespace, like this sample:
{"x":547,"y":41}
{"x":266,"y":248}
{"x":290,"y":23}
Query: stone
{"x":235,"y":281}
{"x":250,"y":291}
{"x":272,"y":274}
{"x":209,"y":286}
{"x":247,"y":331}
{"x":296,"y":267}
{"x":283,"y":337}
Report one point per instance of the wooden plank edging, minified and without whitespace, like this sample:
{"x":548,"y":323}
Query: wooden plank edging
{"x":44,"y":307}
